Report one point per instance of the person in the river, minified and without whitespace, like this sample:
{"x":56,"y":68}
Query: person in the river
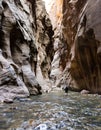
{"x":65,"y":88}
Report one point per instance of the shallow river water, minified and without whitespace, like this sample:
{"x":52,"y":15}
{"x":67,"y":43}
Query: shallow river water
{"x":52,"y":111}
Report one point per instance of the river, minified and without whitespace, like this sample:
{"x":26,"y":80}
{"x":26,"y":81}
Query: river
{"x":52,"y":111}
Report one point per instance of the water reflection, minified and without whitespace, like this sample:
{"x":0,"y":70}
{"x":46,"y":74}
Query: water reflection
{"x":56,"y":110}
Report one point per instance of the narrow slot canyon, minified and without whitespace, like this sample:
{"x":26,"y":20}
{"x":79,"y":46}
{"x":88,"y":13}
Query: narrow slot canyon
{"x":50,"y":64}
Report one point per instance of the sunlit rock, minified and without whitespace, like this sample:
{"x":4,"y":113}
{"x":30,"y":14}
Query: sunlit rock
{"x":50,"y":43}
{"x":25,"y":40}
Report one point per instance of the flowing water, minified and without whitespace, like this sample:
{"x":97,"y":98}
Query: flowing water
{"x":52,"y":111}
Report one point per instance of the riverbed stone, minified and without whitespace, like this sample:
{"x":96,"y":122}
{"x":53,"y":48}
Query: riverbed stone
{"x":41,"y":127}
{"x":85,"y":92}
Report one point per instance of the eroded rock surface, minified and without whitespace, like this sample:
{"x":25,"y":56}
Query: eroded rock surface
{"x":25,"y":42}
{"x":77,"y":38}
{"x":40,"y":49}
{"x":81,"y":27}
{"x":54,"y":9}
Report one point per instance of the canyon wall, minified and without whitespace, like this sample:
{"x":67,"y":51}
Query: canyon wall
{"x":25,"y":54}
{"x":81,"y":29}
{"x":77,"y":44}
{"x":42,"y":48}
{"x":54,"y":9}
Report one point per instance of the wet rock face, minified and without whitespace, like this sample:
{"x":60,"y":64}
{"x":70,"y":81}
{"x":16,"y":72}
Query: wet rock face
{"x":32,"y":52}
{"x":25,"y":39}
{"x":81,"y":28}
{"x":54,"y":9}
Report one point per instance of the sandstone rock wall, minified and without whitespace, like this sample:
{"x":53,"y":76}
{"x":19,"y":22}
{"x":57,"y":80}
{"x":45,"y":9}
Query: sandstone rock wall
{"x":81,"y":28}
{"x":62,"y":45}
{"x":77,"y":39}
{"x":25,"y":42}
{"x":54,"y":9}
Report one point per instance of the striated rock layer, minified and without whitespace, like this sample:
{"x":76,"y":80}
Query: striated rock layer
{"x":54,"y":9}
{"x":40,"y":49}
{"x":81,"y":29}
{"x":25,"y":54}
{"x":77,"y":44}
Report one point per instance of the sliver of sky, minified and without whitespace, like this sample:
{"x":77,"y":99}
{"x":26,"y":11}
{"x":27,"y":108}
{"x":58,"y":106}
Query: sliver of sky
{"x":48,"y":4}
